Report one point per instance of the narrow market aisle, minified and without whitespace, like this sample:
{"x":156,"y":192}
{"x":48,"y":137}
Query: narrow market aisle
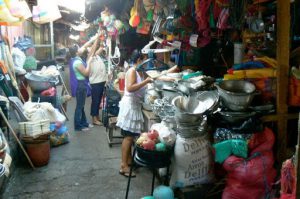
{"x":84,"y":168}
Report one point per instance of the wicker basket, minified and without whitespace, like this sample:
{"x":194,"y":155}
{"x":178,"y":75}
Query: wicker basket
{"x":34,"y":129}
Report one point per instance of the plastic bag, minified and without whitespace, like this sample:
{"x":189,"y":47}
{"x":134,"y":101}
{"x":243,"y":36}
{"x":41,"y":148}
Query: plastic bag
{"x":5,"y":15}
{"x":18,"y":57}
{"x":224,"y":149}
{"x":57,"y":140}
{"x":59,"y":117}
{"x":253,"y":175}
{"x":45,"y":12}
{"x":166,"y":134}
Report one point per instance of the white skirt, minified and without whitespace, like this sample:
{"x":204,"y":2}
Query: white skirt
{"x":130,"y":116}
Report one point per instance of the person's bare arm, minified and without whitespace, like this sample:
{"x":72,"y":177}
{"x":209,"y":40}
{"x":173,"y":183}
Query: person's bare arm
{"x":131,"y":84}
{"x":84,"y":71}
{"x":169,"y":79}
{"x":87,"y":44}
{"x":94,"y":48}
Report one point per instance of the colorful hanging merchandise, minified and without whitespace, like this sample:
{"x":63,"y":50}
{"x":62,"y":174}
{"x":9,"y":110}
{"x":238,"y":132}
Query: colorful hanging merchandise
{"x":202,"y":13}
{"x":13,"y":12}
{"x":45,"y":12}
{"x":135,"y":20}
{"x":288,"y":180}
{"x":5,"y":15}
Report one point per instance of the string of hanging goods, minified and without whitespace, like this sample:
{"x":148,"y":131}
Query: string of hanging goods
{"x":237,"y":10}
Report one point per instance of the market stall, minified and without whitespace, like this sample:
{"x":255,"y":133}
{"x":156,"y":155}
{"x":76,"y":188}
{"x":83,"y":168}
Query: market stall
{"x":237,"y":36}
{"x":220,"y":120}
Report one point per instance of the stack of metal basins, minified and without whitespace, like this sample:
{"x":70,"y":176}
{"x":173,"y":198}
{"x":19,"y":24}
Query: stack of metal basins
{"x":236,"y":97}
{"x":191,"y":111}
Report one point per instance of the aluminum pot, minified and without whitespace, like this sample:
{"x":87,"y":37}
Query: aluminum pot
{"x":236,"y":94}
{"x":39,"y":83}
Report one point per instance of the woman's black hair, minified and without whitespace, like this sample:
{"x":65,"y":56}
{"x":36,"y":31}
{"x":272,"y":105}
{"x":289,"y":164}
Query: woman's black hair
{"x":73,"y":50}
{"x":136,"y":55}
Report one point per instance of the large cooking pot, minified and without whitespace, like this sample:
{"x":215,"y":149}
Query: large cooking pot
{"x":236,"y":94}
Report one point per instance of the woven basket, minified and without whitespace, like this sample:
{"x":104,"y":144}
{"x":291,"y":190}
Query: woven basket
{"x":34,"y":129}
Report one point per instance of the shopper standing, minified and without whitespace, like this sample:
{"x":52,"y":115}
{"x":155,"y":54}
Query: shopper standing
{"x":130,"y":118}
{"x":97,"y":78}
{"x":79,"y":86}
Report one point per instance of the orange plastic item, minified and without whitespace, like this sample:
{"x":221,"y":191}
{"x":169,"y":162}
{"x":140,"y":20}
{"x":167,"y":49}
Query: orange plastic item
{"x":3,"y":67}
{"x":121,"y":84}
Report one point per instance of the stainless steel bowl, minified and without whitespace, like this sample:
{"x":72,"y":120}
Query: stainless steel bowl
{"x":236,"y":94}
{"x":160,"y":85}
{"x":187,"y":110}
{"x":170,"y":94}
{"x":39,"y":83}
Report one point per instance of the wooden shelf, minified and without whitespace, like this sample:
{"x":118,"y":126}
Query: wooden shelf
{"x":275,"y":117}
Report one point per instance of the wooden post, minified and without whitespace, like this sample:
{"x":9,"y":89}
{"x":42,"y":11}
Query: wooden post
{"x":283,"y":49}
{"x":167,"y":56}
{"x":297,"y":160}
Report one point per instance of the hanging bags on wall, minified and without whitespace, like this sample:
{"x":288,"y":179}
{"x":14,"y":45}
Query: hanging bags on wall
{"x":45,"y":12}
{"x":5,"y":15}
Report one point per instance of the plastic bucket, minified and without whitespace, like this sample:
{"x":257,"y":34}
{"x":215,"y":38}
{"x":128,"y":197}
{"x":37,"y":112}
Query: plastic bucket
{"x":39,"y":152}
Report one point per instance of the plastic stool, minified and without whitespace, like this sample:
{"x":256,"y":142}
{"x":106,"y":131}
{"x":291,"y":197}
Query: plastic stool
{"x":153,"y":165}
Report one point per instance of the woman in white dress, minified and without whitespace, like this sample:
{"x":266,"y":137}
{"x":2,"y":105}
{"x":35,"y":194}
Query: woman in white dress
{"x":130,"y":118}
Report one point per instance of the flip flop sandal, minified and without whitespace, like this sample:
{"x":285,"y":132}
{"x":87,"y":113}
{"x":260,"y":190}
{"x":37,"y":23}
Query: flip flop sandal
{"x":126,"y":174}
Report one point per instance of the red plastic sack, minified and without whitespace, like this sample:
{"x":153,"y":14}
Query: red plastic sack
{"x":256,"y":171}
{"x":262,"y":141}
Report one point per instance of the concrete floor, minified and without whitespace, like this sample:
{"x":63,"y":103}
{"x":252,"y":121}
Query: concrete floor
{"x":84,"y":168}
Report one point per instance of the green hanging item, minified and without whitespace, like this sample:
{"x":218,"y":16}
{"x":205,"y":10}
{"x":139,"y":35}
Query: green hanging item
{"x":212,"y":23}
{"x":30,"y":63}
{"x":140,"y":24}
{"x":149,"y":15}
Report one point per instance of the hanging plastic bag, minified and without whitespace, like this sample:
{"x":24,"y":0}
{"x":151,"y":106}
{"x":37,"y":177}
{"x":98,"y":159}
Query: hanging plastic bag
{"x":45,"y":12}
{"x":5,"y":15}
{"x":134,"y":20}
{"x":14,"y":7}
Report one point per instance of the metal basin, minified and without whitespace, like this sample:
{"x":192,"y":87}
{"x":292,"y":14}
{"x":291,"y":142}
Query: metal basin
{"x":39,"y":83}
{"x":236,"y":94}
{"x":163,"y":85}
{"x":188,"y":109}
